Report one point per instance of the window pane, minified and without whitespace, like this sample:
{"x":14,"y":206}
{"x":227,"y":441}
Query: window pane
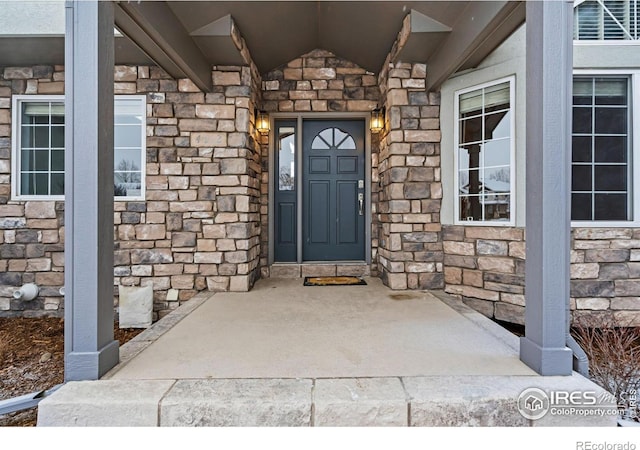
{"x":611,"y":149}
{"x":581,"y":178}
{"x":611,"y":91}
{"x":286,"y":158}
{"x":327,"y":135}
{"x":581,"y":206}
{"x":611,"y":120}
{"x":42,"y":145}
{"x":470,"y":208}
{"x":611,"y":207}
{"x":611,"y":178}
{"x":582,"y":120}
{"x":127,"y":136}
{"x":496,"y":207}
{"x":127,"y":159}
{"x":35,"y":184}
{"x":606,"y":146}
{"x":469,"y":157}
{"x":581,"y":151}
{"x":583,"y":91}
{"x":57,"y":160}
{"x":497,"y":153}
{"x":57,"y":137}
{"x":469,"y":182}
{"x":484,"y":154}
{"x":497,"y":179}
{"x":57,"y":184}
{"x":470,"y":103}
{"x":35,"y":160}
{"x":497,"y":125}
{"x":471,"y":130}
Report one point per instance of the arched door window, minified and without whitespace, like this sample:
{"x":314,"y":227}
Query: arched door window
{"x":333,"y":139}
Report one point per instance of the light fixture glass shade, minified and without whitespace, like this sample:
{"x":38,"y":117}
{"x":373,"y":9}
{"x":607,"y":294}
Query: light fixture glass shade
{"x":262,"y":122}
{"x":377,"y":120}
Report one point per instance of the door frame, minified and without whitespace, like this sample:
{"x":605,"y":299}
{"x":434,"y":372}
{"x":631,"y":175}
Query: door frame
{"x":299,"y":118}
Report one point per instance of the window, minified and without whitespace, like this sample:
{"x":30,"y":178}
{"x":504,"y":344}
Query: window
{"x":333,"y":139}
{"x":484,"y":155}
{"x":602,"y":166}
{"x":38,"y":147}
{"x":286,"y":158}
{"x":605,"y":20}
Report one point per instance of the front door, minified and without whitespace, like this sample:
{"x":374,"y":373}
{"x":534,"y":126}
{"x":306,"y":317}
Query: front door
{"x":333,"y":200}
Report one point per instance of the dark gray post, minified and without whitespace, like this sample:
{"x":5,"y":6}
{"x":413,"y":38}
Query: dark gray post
{"x":90,"y":350}
{"x":548,"y":157}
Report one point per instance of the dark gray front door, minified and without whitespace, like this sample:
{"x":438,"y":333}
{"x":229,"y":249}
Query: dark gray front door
{"x":333,"y":206}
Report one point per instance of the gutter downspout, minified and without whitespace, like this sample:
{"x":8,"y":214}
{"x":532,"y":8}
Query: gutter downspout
{"x":25,"y":401}
{"x":580,"y":359}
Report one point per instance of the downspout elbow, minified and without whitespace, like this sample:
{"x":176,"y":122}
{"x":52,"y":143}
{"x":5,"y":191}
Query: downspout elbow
{"x":580,"y":359}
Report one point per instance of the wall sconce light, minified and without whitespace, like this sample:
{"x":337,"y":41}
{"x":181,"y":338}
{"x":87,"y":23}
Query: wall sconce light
{"x":262,"y":122}
{"x":377,"y":120}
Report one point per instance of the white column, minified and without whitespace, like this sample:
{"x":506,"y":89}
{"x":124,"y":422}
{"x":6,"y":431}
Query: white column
{"x":90,"y":350}
{"x":548,"y":196}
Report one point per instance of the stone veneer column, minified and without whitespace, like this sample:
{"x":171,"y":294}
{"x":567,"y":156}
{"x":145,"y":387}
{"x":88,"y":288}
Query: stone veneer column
{"x":410,"y":254}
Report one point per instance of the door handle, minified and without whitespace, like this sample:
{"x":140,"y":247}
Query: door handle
{"x":361,"y":204}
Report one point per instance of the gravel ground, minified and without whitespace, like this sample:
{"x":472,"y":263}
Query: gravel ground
{"x":32,"y":359}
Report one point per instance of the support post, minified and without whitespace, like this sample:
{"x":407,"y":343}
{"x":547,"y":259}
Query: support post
{"x":548,"y":196}
{"x":90,"y":350}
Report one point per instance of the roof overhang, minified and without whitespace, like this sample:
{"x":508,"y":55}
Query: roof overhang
{"x":186,"y":38}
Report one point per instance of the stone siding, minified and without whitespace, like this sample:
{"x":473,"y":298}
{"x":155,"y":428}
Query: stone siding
{"x":31,"y":233}
{"x":410,"y":244}
{"x":319,"y":81}
{"x":199,"y":226}
{"x":485,"y":266}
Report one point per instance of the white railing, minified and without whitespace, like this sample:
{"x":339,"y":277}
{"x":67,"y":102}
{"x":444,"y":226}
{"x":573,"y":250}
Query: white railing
{"x":605,"y":20}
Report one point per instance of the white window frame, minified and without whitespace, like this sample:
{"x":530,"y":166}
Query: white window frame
{"x":16,"y":123}
{"x":634,"y":166}
{"x":512,"y":155}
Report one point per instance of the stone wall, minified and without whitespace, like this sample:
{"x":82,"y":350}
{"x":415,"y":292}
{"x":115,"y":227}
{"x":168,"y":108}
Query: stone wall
{"x":318,"y":81}
{"x":31,"y":233}
{"x":199,"y":227}
{"x":410,"y":244}
{"x":485,"y":266}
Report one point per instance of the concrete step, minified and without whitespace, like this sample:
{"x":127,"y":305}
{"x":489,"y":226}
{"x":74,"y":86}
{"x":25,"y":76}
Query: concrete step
{"x":392,"y":401}
{"x":292,"y":270}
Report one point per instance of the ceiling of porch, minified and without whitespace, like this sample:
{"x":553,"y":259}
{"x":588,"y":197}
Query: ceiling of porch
{"x":277,"y":32}
{"x":187,"y":37}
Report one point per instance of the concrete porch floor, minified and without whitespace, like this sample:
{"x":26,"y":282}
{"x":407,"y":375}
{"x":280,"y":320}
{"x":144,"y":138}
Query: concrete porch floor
{"x":285,"y":354}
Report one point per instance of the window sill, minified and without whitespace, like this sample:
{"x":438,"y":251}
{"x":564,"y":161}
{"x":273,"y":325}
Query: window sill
{"x":603,"y":224}
{"x":60,"y":198}
{"x":465,"y":223}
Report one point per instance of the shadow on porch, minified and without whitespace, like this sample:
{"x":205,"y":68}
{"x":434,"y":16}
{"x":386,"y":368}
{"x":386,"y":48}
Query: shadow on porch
{"x":285,"y":354}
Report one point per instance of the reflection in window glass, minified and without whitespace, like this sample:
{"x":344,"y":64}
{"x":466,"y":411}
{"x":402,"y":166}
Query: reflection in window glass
{"x":600,"y":187}
{"x":129,"y":116}
{"x":484,"y":154}
{"x":41,"y":142}
{"x":286,"y":158}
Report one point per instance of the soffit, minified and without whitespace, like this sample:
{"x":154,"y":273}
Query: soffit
{"x":277,"y":32}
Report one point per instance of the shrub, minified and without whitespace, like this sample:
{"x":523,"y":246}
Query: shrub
{"x":614,"y":359}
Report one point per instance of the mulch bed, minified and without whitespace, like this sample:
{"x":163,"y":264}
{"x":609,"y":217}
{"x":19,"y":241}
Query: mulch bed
{"x":32,"y":359}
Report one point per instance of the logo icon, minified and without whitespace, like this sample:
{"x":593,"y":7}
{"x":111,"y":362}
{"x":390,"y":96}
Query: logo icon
{"x":533,"y":403}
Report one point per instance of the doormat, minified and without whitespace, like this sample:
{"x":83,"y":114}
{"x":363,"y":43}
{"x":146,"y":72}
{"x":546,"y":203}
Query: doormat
{"x":334,"y":281}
